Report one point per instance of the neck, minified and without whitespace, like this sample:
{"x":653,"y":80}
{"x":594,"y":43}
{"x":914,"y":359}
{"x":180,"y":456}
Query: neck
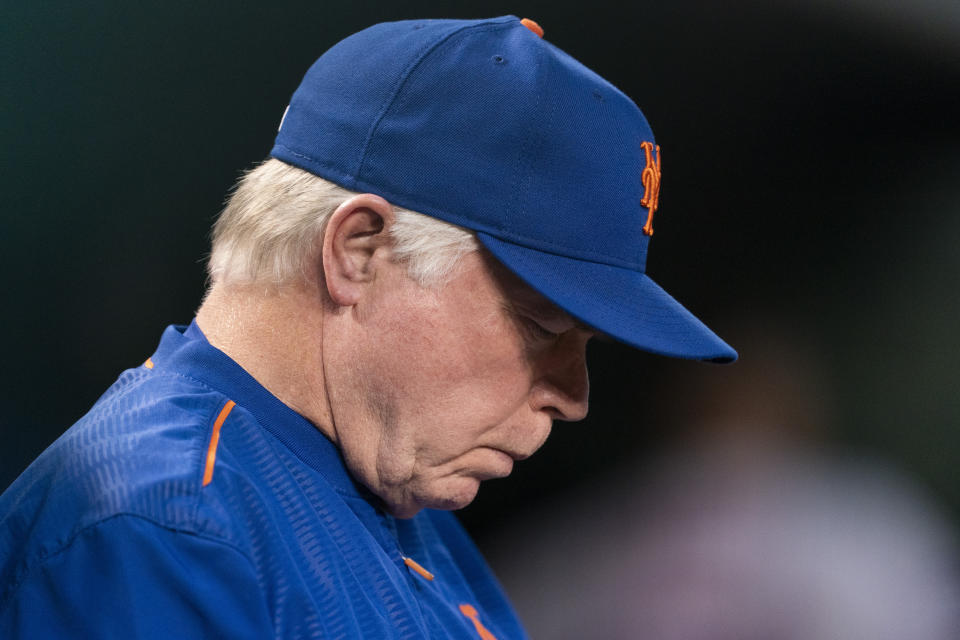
{"x":276,"y":335}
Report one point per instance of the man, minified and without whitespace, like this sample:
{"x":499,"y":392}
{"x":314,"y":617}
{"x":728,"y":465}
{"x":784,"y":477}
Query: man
{"x":284,"y":466}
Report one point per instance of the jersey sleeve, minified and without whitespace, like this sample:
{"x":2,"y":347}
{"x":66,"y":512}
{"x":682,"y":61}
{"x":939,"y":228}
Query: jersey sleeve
{"x":127,"y":577}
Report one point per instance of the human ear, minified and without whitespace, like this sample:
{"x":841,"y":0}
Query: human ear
{"x":354,"y":244}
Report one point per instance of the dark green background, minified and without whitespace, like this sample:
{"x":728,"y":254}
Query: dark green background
{"x":810,"y":162}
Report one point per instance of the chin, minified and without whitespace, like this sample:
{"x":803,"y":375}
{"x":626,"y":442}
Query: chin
{"x":448,"y":494}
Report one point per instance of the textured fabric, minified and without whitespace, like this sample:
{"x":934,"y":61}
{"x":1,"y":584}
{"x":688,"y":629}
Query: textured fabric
{"x":486,"y":125}
{"x":111,"y":532}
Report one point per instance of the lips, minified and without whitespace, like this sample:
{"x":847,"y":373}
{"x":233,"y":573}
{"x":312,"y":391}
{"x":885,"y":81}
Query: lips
{"x":542,"y":432}
{"x":516,"y":456}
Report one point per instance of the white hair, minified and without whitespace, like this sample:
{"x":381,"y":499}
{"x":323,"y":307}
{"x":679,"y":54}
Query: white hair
{"x":277,"y":213}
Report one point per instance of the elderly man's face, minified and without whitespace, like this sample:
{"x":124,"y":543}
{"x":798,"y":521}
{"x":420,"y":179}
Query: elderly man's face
{"x":451,"y":386}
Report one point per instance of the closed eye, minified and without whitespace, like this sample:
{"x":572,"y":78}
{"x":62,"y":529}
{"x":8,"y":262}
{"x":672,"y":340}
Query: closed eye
{"x":537,"y":330}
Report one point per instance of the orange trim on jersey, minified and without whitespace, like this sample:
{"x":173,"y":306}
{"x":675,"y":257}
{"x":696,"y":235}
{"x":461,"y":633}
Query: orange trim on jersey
{"x":214,"y":439}
{"x":471,"y":613}
{"x":148,"y":364}
{"x":413,"y":564}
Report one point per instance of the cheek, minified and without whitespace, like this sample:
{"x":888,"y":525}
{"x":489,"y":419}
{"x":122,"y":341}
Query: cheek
{"x":440,"y":352}
{"x":486,"y":360}
{"x":480,"y":397}
{"x":459,"y":361}
{"x":461,"y":388}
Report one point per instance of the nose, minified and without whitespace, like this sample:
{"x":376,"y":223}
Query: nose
{"x":563,"y":386}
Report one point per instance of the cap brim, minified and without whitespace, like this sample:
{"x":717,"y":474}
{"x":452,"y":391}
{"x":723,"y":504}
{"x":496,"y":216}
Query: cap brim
{"x":624,"y":304}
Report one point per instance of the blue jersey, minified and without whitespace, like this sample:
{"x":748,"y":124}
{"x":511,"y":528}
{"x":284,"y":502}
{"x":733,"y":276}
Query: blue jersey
{"x":191,"y":503}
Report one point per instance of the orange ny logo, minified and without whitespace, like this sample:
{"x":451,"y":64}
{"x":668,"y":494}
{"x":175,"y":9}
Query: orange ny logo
{"x":651,"y":185}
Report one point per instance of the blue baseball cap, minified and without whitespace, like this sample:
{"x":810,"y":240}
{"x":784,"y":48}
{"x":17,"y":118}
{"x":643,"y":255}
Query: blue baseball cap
{"x":486,"y":125}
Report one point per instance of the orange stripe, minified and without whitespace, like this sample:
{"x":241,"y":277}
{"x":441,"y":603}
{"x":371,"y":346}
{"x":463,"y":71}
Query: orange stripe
{"x":471,"y":613}
{"x":413,"y":564}
{"x":214,"y":439}
{"x":148,"y":364}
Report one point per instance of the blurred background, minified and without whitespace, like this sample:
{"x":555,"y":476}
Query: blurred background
{"x":810,"y":212}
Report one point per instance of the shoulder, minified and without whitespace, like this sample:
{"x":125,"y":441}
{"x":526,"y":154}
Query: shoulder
{"x":146,"y":434}
{"x":139,"y":451}
{"x":156,"y":582}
